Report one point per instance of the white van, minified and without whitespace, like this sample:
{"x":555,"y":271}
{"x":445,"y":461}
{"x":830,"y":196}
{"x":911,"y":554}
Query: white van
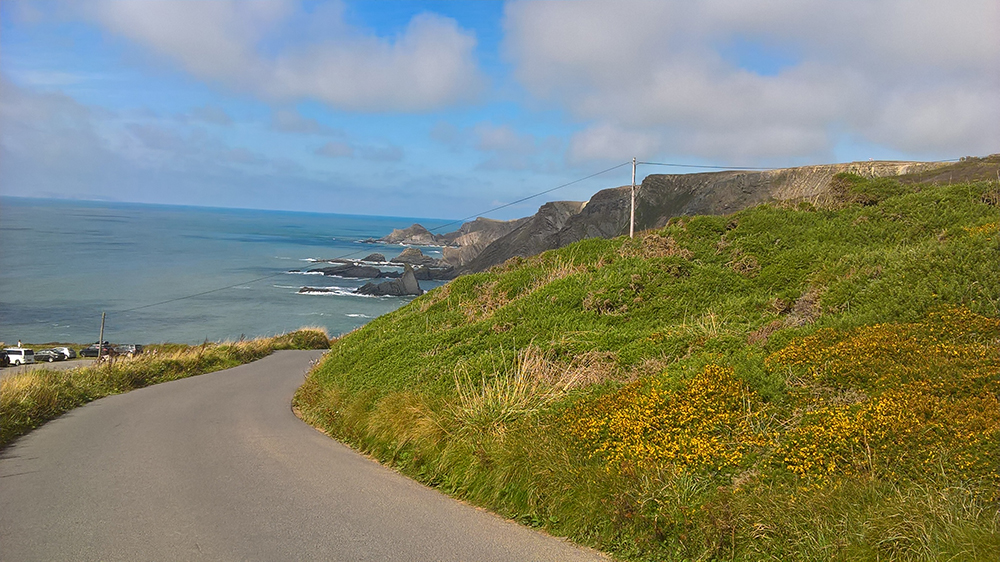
{"x":20,"y":356}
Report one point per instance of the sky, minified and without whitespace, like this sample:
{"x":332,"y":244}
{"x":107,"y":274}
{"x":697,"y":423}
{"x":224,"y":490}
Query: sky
{"x":450,"y":108}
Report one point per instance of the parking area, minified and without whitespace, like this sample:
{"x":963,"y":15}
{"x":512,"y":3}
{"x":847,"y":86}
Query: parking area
{"x":55,"y":366}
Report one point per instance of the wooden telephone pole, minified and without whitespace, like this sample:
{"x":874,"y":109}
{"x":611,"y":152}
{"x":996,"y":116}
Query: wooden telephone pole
{"x":100,"y":342}
{"x":631,"y":224}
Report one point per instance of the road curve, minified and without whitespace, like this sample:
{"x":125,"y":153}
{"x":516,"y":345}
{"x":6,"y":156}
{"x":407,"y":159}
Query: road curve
{"x":217,"y":467}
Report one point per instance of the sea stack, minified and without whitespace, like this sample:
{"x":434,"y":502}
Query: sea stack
{"x":406,"y":285}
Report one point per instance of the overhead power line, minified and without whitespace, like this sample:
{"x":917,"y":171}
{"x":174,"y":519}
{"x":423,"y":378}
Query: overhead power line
{"x":464,"y":219}
{"x":523,"y":199}
{"x":735,"y":169}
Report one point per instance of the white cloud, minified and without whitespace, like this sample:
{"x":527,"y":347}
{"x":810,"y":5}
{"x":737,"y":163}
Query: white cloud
{"x":211,"y":114}
{"x":291,"y":121}
{"x":653,"y":77}
{"x":502,"y":138}
{"x":428,"y":66}
{"x":336,"y":149}
{"x":390,"y":153}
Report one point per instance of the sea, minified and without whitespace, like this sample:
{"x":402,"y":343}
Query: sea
{"x":178,"y":274}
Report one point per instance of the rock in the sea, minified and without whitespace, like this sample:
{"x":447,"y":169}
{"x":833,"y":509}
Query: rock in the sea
{"x":376,"y":257}
{"x":350,"y":270}
{"x":415,"y":235}
{"x":316,"y":290}
{"x":413,"y":256}
{"x":406,"y":285}
{"x":428,"y":273}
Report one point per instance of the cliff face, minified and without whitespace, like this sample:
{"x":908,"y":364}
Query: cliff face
{"x":473,"y":237}
{"x":662,"y":196}
{"x":533,"y":235}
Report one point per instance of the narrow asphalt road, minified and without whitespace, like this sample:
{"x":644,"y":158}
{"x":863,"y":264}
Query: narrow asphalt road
{"x":217,"y":467}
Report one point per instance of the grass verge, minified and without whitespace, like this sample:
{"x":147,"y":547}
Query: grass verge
{"x":30,"y":399}
{"x":788,"y":382}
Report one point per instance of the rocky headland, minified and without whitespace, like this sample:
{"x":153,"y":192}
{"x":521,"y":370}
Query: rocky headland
{"x":483,"y":243}
{"x":661,"y":197}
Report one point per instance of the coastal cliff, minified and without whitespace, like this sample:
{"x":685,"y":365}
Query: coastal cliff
{"x":481,"y":244}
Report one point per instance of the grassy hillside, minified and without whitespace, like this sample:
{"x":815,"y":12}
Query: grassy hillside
{"x":787,"y":383}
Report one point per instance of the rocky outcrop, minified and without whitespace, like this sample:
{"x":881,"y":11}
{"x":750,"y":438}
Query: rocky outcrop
{"x":534,"y":235}
{"x":435,"y":273}
{"x":663,"y":196}
{"x":414,"y":235}
{"x":352,"y":270}
{"x":406,"y":285}
{"x":413,"y":256}
{"x":459,"y":246}
{"x":374,"y":258}
{"x":470,"y":240}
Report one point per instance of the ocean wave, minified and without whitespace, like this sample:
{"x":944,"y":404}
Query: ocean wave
{"x":304,"y":272}
{"x":358,"y":315}
{"x":296,"y":287}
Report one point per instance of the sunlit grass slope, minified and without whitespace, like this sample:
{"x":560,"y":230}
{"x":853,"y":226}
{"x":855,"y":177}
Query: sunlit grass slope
{"x":30,"y":399}
{"x":782,"y":383}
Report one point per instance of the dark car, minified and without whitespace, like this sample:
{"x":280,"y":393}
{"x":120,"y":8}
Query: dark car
{"x":4,"y":360}
{"x":48,"y":355}
{"x":93,"y":349}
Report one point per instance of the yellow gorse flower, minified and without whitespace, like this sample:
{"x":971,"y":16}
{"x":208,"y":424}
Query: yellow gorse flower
{"x":707,"y":423}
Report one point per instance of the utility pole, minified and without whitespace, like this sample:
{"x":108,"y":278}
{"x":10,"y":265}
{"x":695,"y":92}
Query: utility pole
{"x":631,"y":224}
{"x":100,"y":342}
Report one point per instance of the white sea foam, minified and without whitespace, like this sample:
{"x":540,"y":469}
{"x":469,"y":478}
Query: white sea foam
{"x":357,"y":316}
{"x":304,"y":272}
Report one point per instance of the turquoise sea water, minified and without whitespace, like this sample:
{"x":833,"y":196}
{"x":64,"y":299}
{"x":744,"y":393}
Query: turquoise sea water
{"x":62,"y":263}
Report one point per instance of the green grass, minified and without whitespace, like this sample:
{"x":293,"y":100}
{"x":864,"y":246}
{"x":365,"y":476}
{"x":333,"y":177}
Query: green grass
{"x":788,"y":382}
{"x":30,"y":399}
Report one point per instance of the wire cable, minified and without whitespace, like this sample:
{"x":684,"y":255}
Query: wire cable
{"x":203,"y":292}
{"x":730,"y":168}
{"x":523,"y":199}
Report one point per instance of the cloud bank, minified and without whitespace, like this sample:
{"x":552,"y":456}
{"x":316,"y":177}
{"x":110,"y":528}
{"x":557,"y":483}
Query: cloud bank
{"x":654,"y":77}
{"x":278,"y":52}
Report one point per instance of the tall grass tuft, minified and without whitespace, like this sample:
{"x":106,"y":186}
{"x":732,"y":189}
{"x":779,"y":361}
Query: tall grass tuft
{"x":30,"y":399}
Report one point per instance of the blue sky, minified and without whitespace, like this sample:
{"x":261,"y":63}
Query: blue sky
{"x":448,"y":108}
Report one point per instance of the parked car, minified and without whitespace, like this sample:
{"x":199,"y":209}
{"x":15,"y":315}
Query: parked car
{"x":128,"y":349}
{"x":93,"y":349}
{"x":4,"y":360}
{"x":20,"y":355}
{"x":68,"y":352}
{"x":48,"y":356}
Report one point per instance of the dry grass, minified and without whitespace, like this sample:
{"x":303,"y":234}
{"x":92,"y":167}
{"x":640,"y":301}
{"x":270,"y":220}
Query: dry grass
{"x":29,"y":399}
{"x":654,"y":245}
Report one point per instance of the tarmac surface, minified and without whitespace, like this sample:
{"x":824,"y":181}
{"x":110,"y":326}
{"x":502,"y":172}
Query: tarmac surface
{"x":217,"y":467}
{"x":55,"y":366}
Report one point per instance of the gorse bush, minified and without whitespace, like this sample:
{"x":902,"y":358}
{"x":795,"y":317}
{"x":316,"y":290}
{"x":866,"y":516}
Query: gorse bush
{"x":899,"y":400}
{"x":711,"y":422}
{"x":29,"y":399}
{"x":788,"y":382}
